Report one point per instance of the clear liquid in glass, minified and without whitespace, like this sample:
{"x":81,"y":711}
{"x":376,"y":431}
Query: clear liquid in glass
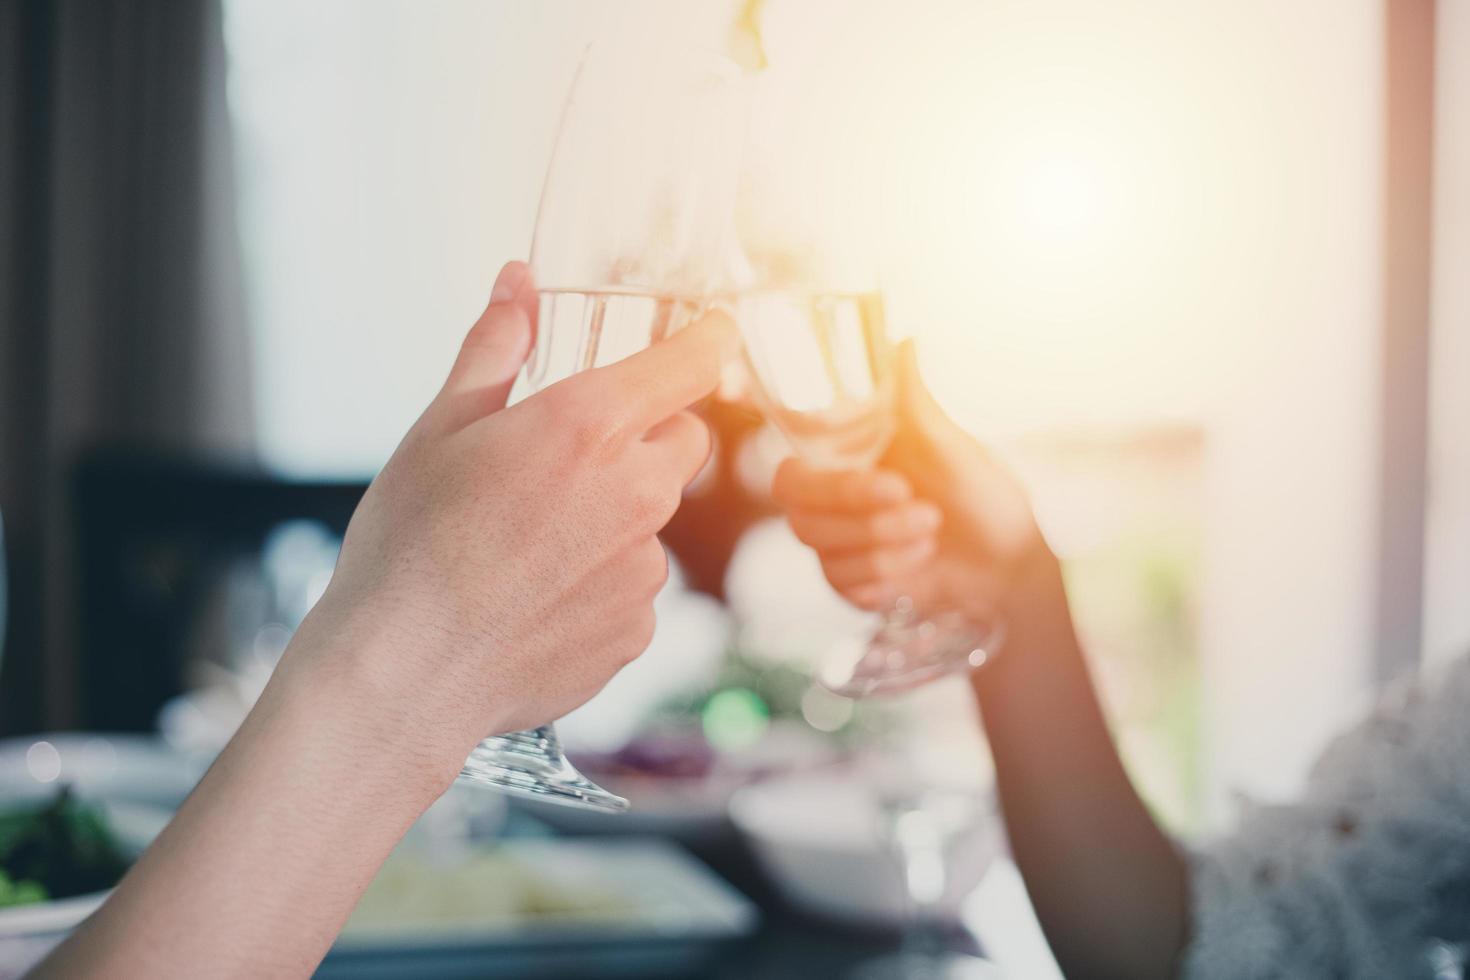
{"x":824,"y":367}
{"x":578,"y":329}
{"x":823,"y":363}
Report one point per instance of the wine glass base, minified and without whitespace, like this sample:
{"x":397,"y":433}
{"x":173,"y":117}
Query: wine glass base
{"x":905,"y":654}
{"x":531,"y":764}
{"x":573,"y":790}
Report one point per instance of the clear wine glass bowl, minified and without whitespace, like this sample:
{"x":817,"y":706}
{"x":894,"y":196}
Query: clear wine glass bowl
{"x":632,"y":239}
{"x":813,"y":318}
{"x":824,"y":363}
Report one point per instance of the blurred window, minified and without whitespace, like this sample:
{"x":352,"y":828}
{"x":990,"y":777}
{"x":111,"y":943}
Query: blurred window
{"x":1447,"y":579}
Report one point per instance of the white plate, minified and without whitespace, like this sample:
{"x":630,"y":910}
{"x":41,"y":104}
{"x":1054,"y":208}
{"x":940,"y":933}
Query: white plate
{"x":691,"y":809}
{"x":661,"y":892}
{"x":681,"y":918}
{"x":110,"y":766}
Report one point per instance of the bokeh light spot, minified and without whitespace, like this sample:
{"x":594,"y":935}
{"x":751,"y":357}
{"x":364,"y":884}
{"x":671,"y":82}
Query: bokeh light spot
{"x":43,"y":762}
{"x":735,"y":718}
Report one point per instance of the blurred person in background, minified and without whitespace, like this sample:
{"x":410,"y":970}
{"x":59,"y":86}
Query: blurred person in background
{"x":1368,"y":875}
{"x":500,"y":569}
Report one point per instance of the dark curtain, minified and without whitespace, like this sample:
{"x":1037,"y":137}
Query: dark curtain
{"x":121,"y":320}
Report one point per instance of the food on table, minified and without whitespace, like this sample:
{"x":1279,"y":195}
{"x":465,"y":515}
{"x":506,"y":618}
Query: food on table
{"x":57,"y":850}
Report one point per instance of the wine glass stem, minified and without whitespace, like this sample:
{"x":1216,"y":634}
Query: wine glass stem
{"x":925,"y":878}
{"x":919,"y":852}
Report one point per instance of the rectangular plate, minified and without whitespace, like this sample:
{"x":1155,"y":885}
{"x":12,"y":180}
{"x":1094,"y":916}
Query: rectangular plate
{"x":678,"y":913}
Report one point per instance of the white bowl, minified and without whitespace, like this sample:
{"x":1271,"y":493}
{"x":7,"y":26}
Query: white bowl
{"x":820,"y":838}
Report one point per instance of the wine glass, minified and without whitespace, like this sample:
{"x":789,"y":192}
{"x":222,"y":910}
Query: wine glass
{"x":823,"y":360}
{"x":811,"y":218}
{"x":929,"y":817}
{"x":632,"y":239}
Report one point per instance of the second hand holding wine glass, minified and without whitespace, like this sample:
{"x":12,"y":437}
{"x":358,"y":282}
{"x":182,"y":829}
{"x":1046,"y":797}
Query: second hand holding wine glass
{"x":824,"y":363}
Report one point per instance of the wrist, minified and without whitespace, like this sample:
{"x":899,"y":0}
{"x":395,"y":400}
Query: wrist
{"x":1034,"y":584}
{"x":993,"y":516}
{"x":1037,"y":622}
{"x":1029,"y":566}
{"x":359,"y":690}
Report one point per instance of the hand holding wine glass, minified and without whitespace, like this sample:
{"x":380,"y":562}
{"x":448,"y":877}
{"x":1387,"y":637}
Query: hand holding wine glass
{"x":497,"y":572}
{"x":510,"y":553}
{"x":629,"y":246}
{"x":938,"y":523}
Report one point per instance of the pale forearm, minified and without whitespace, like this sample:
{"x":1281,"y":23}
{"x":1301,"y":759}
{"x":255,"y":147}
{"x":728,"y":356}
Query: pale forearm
{"x":1108,"y":886}
{"x":494,"y":576}
{"x":268,"y":856}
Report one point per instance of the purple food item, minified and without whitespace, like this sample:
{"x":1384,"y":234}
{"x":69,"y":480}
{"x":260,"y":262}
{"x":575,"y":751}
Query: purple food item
{"x":662,"y":755}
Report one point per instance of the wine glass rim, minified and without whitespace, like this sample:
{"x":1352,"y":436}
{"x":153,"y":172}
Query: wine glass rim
{"x":714,"y":67}
{"x":701,"y":55}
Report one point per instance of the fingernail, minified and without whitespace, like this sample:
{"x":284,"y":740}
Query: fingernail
{"x":512,"y":274}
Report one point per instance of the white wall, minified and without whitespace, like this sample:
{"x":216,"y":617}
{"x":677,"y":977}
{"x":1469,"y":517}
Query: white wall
{"x":1293,"y":486}
{"x":391,"y":159}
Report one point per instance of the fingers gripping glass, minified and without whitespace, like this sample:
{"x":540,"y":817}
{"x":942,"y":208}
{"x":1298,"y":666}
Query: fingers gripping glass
{"x":630,"y":241}
{"x":810,"y":221}
{"x":824,"y":363}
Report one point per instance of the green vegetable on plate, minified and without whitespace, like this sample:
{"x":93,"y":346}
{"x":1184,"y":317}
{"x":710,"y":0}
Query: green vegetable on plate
{"x":60,"y":849}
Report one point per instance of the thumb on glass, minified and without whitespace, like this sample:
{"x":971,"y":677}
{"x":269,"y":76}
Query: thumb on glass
{"x":494,"y":350}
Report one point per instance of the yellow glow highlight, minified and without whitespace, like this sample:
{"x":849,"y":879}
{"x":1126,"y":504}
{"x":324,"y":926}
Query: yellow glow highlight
{"x":1059,"y":189}
{"x":1059,"y":197}
{"x":1106,"y":217}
